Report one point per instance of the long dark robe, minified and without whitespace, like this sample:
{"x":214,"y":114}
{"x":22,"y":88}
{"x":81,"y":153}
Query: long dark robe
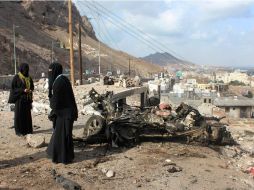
{"x":63,"y":105}
{"x":23,"y":106}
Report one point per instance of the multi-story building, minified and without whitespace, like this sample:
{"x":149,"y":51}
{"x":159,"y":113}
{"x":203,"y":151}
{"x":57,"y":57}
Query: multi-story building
{"x":237,"y":75}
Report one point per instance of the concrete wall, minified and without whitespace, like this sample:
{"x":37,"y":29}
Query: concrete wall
{"x":234,"y":112}
{"x":246,"y":113}
{"x":5,"y":82}
{"x":238,"y":112}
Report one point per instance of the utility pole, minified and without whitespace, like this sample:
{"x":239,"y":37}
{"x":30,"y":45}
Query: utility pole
{"x":111,"y":61}
{"x":99,"y":57}
{"x":80,"y":54}
{"x":129,"y":66}
{"x":14,"y":49}
{"x":99,"y":45}
{"x":71,"y":43}
{"x":52,"y":51}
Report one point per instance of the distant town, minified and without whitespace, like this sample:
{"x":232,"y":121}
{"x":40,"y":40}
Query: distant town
{"x":228,"y":91}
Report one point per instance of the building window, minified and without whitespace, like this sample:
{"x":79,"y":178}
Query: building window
{"x":210,"y":101}
{"x":233,"y":108}
{"x":205,"y":100}
{"x":227,"y":109}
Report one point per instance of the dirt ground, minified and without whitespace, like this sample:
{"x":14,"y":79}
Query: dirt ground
{"x":139,"y":167}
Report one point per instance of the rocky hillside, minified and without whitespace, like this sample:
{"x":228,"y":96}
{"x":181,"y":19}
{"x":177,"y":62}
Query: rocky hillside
{"x":42,"y":26}
{"x":162,"y":59}
{"x":169,"y":61}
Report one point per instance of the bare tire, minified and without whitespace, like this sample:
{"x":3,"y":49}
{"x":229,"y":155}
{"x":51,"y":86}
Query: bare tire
{"x":93,"y":126}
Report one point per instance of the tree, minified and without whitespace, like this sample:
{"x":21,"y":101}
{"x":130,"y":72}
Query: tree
{"x":249,"y":94}
{"x":236,"y":83}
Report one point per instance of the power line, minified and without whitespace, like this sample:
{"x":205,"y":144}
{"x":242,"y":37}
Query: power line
{"x":120,"y":25}
{"x":109,"y":35}
{"x":138,"y":29}
{"x":98,"y":18}
{"x":123,"y":26}
{"x":131,"y":26}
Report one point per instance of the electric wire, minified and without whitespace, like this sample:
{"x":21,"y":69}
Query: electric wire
{"x":123,"y":27}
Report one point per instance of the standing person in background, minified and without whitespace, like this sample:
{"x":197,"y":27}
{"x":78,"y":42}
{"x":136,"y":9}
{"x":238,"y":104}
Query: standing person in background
{"x":64,"y":113}
{"x":21,"y":95}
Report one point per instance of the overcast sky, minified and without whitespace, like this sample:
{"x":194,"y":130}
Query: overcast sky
{"x":209,"y":32}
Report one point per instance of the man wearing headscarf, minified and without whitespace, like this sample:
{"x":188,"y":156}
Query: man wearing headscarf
{"x":21,"y":95}
{"x":64,"y":113}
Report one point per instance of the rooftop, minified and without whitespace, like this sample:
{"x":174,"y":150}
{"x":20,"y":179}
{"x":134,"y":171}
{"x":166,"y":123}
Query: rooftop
{"x":234,"y":101}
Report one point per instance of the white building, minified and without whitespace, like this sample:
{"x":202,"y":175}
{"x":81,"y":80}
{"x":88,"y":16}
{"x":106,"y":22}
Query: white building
{"x":237,"y":75}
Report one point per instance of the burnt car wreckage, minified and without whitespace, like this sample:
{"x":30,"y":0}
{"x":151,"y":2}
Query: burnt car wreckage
{"x":122,"y":125}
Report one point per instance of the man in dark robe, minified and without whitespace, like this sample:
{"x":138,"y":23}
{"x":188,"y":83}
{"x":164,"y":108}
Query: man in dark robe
{"x":21,"y":95}
{"x":64,"y":113}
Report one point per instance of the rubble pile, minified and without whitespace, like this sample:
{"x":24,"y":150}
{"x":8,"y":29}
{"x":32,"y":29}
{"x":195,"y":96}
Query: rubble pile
{"x":40,"y":97}
{"x":92,"y":80}
{"x":241,"y":155}
{"x":4,"y":106}
{"x":127,"y":82}
{"x":41,"y":85}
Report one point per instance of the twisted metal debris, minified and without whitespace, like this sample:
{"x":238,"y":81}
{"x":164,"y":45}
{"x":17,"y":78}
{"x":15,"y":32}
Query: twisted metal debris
{"x":123,"y":126}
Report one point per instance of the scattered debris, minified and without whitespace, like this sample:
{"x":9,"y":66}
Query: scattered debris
{"x":4,"y":105}
{"x":173,"y":169}
{"x":92,"y":80}
{"x":108,"y":80}
{"x":35,"y":141}
{"x":251,"y":171}
{"x":36,"y":127}
{"x":110,"y":173}
{"x":64,"y":182}
{"x":164,"y":110}
{"x":41,"y":107}
{"x":100,"y":160}
{"x":169,"y":164}
{"x":230,"y":152}
{"x":127,"y":82}
{"x":104,"y":170}
{"x":4,"y":166}
{"x":195,"y":180}
{"x":41,"y":85}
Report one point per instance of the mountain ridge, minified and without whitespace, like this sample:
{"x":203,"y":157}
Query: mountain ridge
{"x":162,"y":59}
{"x":43,"y":27}
{"x":169,"y":61}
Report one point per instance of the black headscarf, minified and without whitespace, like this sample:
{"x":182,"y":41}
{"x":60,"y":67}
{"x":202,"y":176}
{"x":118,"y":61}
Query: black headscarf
{"x":24,"y":69}
{"x":55,"y":69}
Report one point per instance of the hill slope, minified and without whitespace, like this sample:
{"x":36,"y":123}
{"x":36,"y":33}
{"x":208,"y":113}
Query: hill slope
{"x":43,"y":26}
{"x":169,"y":61}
